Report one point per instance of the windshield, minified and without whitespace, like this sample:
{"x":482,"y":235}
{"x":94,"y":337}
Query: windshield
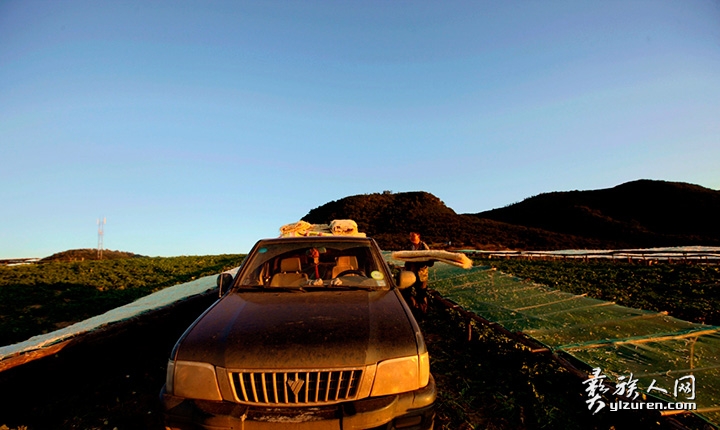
{"x":305,"y":264}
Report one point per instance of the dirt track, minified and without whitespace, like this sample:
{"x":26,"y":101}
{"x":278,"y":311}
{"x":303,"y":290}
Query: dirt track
{"x":108,"y":380}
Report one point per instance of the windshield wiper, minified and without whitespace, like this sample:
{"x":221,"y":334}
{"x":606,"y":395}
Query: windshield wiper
{"x":250,"y":287}
{"x":355,"y":287}
{"x":286,"y":289}
{"x":254,"y":288}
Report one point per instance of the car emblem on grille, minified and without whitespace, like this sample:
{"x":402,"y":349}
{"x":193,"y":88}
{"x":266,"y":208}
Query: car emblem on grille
{"x":295,"y":385}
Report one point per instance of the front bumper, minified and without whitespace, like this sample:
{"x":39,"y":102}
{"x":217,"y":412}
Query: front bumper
{"x":407,"y":411}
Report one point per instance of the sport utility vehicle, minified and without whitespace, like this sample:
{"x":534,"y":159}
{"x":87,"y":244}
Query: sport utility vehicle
{"x":312,"y":333}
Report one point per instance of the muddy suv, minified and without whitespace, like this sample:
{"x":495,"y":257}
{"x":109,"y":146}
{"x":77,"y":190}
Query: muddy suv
{"x":312,"y":333}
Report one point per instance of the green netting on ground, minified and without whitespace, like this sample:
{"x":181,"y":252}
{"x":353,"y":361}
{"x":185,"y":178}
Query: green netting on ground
{"x":658,"y":351}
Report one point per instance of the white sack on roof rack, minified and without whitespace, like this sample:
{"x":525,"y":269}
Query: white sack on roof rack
{"x":345,"y":227}
{"x":338,"y":227}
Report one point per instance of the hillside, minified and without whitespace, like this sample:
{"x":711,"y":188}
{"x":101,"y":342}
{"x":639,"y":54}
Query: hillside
{"x":636,"y":214}
{"x":388,"y":217}
{"x":88,"y":254}
{"x":641,"y":213}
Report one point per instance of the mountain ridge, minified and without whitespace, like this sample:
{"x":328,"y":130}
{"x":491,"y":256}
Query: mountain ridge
{"x":642,"y":213}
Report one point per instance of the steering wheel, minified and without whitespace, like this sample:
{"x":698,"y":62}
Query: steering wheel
{"x":351,"y":272}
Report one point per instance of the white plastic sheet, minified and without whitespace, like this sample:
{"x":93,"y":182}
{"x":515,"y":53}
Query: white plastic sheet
{"x":157,"y":300}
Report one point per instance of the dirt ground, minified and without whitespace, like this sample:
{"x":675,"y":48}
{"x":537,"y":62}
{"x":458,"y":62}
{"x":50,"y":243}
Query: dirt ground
{"x":112,"y":381}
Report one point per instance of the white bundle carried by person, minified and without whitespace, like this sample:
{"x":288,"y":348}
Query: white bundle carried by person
{"x":455,"y":258}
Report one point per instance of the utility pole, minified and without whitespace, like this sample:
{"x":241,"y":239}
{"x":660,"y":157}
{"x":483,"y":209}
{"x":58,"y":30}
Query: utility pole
{"x":101,"y":232}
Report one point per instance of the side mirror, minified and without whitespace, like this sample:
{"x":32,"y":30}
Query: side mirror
{"x":224,"y":281}
{"x":406,"y":279}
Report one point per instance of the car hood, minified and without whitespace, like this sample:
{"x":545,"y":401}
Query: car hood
{"x":319,"y":329}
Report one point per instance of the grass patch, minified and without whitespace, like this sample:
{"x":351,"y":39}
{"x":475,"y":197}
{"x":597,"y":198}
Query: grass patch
{"x":39,"y":298}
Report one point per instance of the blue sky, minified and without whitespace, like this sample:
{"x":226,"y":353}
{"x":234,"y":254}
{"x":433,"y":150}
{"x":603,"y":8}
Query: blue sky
{"x":196,"y":128}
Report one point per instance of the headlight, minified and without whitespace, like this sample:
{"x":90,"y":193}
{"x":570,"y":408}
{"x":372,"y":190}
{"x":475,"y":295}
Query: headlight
{"x":192,"y":380}
{"x":400,"y":375}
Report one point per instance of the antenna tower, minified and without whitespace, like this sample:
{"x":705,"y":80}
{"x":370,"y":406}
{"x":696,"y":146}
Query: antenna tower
{"x":101,"y":232}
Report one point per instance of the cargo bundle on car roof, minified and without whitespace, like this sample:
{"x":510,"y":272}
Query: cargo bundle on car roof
{"x":338,"y":227}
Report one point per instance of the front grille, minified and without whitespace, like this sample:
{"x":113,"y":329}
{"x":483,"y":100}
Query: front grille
{"x":296,"y":388}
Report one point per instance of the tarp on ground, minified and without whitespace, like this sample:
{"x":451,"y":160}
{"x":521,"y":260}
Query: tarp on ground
{"x":661,"y":354}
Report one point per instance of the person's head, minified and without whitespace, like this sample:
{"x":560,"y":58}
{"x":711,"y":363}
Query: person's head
{"x":414,"y":237}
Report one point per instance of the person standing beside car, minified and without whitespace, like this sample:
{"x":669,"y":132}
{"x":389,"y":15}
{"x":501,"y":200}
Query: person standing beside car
{"x":416,"y":295}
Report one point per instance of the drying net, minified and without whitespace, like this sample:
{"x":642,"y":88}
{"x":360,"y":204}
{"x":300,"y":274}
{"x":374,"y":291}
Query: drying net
{"x":663,"y":357}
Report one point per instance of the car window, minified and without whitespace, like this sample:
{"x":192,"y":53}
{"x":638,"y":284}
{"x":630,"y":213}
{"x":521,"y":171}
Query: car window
{"x":307,"y":264}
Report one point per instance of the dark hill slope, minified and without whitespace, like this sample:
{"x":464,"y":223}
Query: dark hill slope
{"x":388,"y":217}
{"x":641,"y":213}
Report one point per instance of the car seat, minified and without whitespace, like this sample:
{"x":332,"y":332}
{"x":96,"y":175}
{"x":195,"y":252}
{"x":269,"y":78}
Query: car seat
{"x":344,"y":262}
{"x":290,"y":274}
